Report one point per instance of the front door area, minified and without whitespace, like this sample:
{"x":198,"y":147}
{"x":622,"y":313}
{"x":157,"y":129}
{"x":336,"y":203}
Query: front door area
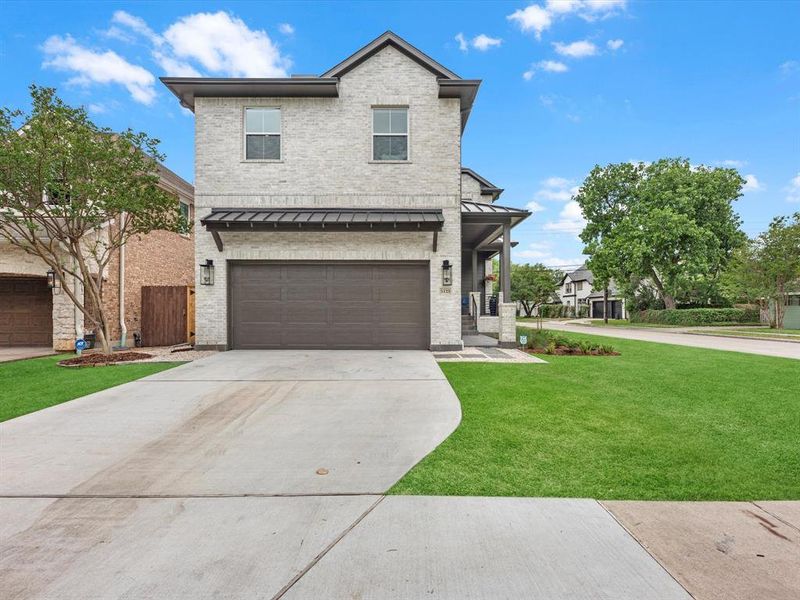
{"x":329,"y":305}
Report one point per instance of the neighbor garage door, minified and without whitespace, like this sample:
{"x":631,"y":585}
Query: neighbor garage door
{"x":26,"y":312}
{"x":329,"y":305}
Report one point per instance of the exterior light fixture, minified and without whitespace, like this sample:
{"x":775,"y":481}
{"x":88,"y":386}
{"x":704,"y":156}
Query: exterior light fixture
{"x":207,"y":272}
{"x":52,"y":280}
{"x":447,"y":273}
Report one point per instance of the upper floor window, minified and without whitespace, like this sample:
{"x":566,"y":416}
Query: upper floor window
{"x":579,"y":286}
{"x":569,"y":288}
{"x":262,"y":132}
{"x":389,"y":134}
{"x":186,"y":213}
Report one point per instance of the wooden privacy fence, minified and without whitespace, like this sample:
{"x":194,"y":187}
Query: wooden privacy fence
{"x":167,"y":315}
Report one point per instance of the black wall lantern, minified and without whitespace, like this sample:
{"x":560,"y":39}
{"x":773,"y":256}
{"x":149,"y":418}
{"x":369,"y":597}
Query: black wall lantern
{"x":52,"y":280}
{"x":447,"y":273}
{"x":207,"y":272}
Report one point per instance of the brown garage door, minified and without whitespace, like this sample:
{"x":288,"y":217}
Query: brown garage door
{"x":329,"y":305}
{"x":26,"y":312}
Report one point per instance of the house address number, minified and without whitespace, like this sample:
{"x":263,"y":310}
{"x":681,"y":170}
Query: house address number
{"x":445,"y":290}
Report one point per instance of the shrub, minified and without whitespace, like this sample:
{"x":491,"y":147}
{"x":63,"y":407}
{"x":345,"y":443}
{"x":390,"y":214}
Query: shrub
{"x":695,"y":316}
{"x":555,"y":311}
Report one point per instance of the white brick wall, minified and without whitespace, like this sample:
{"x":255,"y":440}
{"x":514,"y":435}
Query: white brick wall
{"x":326,"y":163}
{"x":471,"y":190}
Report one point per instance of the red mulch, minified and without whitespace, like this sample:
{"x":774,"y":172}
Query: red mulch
{"x":564,"y":350}
{"x":99,"y":359}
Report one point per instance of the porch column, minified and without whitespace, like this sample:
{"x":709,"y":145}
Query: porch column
{"x":505,"y":264}
{"x":475,"y":284}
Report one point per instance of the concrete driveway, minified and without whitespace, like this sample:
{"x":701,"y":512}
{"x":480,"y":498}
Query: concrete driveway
{"x":668,"y":336}
{"x":246,"y":422}
{"x":261,"y":474}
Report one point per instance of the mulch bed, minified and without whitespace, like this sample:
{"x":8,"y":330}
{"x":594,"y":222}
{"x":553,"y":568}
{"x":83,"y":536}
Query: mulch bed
{"x":97,"y":359}
{"x":565,"y":351}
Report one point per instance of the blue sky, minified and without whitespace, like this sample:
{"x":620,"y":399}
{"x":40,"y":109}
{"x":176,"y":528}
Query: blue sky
{"x":567,"y":84}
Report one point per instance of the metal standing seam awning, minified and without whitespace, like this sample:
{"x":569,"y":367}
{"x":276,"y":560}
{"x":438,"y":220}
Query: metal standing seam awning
{"x":482,"y":224}
{"x":322,"y":219}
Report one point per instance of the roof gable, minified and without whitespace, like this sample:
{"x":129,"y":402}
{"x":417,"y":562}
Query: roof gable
{"x":487,"y":187}
{"x":390,"y":39}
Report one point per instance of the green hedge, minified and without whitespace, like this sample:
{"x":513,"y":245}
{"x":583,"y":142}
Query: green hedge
{"x":695,"y":316}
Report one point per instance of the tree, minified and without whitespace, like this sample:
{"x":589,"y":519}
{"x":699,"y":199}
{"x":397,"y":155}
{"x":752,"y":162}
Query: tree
{"x":668,"y":223}
{"x":73,"y":194}
{"x":533,"y":285}
{"x":766,"y":268}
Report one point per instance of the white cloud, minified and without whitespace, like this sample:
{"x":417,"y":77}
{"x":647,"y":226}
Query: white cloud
{"x":483,"y":42}
{"x":793,"y":191}
{"x":542,"y":252}
{"x":789,"y":67}
{"x":463,"y":45}
{"x":579,"y":49}
{"x":570,"y":219}
{"x":90,"y":66}
{"x":137,"y":25}
{"x":174,"y":67}
{"x":97,"y":108}
{"x":537,"y":18}
{"x":614,"y":44}
{"x":213,"y":42}
{"x":736,"y":164}
{"x":752,"y":184}
{"x":563,"y":6}
{"x":532,"y":18}
{"x":221,"y":43}
{"x":552,"y":66}
{"x":534,"y":206}
{"x":556,"y":189}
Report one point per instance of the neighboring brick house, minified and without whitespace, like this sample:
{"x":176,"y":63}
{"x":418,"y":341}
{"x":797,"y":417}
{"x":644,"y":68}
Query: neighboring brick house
{"x":31,"y":314}
{"x":335,"y":210}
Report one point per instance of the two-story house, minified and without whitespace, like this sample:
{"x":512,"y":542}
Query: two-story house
{"x":332,"y":211}
{"x":577,"y":291}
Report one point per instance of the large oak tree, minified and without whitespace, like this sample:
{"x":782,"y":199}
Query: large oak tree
{"x":667,"y":223}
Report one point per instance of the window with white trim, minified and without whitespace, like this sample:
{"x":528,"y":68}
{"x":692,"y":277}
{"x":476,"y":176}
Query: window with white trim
{"x":390,"y":134}
{"x":262,"y":133}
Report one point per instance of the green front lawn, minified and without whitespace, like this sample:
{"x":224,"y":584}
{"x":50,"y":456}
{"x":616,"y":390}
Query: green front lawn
{"x":659,"y":422}
{"x":30,"y":385}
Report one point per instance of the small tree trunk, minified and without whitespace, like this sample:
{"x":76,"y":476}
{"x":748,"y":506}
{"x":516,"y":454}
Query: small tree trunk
{"x":605,"y":305}
{"x":669,"y":301}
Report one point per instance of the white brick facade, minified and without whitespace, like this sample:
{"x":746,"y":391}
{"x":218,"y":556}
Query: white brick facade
{"x":326,"y":162}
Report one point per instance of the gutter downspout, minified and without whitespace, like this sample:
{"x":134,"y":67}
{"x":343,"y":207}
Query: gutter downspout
{"x":123,"y":330}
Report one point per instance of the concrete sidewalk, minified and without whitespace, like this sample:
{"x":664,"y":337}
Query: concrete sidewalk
{"x":721,"y":550}
{"x":749,"y":346}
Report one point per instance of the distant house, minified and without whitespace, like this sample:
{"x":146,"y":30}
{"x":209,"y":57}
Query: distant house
{"x":577,"y":290}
